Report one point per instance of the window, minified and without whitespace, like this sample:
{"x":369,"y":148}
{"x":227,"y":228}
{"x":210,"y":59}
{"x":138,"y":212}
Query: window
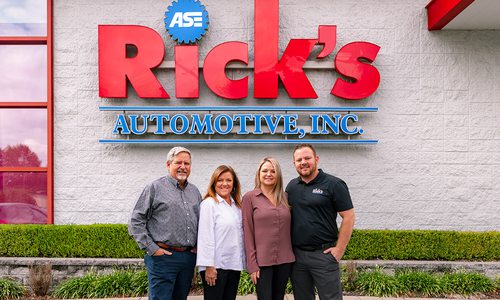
{"x":26,"y":169}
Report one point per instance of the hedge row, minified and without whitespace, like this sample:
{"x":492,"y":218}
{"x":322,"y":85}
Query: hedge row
{"x":113,"y":241}
{"x":109,"y":241}
{"x":424,"y":245}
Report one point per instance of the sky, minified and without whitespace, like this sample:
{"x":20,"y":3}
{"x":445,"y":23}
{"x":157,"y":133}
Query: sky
{"x":24,"y":73}
{"x":23,"y":17}
{"x":23,"y":11}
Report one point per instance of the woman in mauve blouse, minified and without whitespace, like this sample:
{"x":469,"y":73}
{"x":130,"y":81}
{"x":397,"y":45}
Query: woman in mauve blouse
{"x":266,"y":230}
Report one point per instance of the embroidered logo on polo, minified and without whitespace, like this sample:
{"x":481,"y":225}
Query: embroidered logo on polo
{"x":317,"y":191}
{"x":186,"y":21}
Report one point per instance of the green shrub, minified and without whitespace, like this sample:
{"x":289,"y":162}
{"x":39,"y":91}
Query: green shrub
{"x":289,"y":288}
{"x":376,"y":283}
{"x":418,"y":283}
{"x":424,"y":245}
{"x":67,"y":241}
{"x":95,"y":241}
{"x":465,"y":283}
{"x":117,"y":284}
{"x":10,"y":289}
{"x":372,"y":283}
{"x":78,"y":287}
{"x":348,"y":276}
{"x":246,"y":285}
{"x":139,"y":283}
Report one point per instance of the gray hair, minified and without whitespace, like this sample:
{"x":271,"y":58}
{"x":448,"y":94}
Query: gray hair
{"x":175,"y":151}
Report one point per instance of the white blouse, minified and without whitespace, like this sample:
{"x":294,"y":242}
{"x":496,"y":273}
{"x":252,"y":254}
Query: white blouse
{"x":220,"y":236}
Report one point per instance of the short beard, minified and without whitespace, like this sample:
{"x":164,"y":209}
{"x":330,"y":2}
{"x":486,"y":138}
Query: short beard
{"x":181,"y":176}
{"x":306,"y":173}
{"x":309,"y":172}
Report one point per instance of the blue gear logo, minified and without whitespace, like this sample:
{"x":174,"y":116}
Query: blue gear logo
{"x":186,"y":21}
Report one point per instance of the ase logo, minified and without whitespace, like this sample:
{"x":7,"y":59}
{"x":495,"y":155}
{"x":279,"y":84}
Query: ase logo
{"x":186,"y":21}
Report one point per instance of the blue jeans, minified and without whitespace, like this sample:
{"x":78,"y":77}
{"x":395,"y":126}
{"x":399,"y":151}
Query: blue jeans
{"x":170,"y":276}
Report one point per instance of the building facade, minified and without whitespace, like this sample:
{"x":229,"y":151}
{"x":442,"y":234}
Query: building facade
{"x":428,"y":156}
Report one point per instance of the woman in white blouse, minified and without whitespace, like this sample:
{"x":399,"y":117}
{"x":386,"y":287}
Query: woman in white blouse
{"x":221,"y":257}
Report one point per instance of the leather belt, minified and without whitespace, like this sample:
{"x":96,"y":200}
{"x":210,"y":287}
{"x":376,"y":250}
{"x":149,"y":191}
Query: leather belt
{"x":174,"y":248}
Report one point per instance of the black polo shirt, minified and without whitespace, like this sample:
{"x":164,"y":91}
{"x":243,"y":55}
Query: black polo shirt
{"x":314,"y":209}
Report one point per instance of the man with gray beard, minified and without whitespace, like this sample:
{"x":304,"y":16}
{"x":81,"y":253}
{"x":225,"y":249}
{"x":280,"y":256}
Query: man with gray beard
{"x":164,"y":223}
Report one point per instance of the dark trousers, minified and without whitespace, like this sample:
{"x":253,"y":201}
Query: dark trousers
{"x":314,"y":268}
{"x":272,"y":282}
{"x":225,"y":288}
{"x":170,"y":276}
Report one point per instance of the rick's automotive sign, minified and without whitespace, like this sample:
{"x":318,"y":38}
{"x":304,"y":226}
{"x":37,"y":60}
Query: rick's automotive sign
{"x":187,"y":21}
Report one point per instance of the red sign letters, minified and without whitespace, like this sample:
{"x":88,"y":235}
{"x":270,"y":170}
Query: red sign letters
{"x":352,"y":61}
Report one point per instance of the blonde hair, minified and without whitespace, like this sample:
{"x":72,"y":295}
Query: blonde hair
{"x":277,"y":191}
{"x":235,"y":193}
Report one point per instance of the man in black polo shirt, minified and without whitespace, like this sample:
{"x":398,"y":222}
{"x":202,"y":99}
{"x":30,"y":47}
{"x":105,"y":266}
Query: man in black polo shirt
{"x":315,"y":199}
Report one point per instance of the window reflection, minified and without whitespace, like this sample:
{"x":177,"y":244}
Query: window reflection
{"x":23,"y":137}
{"x":24,"y":73}
{"x":23,"y":198}
{"x":23,"y":18}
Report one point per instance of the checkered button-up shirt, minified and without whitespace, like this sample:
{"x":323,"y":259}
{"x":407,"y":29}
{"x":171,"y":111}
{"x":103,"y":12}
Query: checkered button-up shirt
{"x":166,"y":212}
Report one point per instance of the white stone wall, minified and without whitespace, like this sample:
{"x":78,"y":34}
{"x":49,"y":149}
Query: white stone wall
{"x":437,"y":163}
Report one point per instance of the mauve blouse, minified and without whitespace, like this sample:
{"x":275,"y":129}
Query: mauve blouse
{"x":266,"y":230}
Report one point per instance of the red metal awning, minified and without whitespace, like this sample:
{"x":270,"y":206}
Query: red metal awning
{"x":463,"y":14}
